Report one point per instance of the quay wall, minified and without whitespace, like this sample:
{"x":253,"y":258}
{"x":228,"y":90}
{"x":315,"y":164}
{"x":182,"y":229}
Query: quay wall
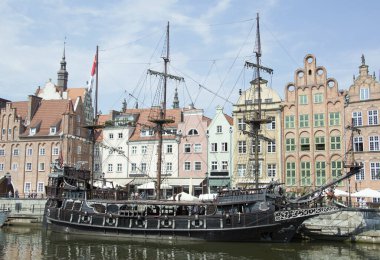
{"x":351,"y":224}
{"x":24,"y":211}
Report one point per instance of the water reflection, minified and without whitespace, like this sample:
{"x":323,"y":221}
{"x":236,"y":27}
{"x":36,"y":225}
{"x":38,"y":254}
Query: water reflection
{"x":35,"y":243}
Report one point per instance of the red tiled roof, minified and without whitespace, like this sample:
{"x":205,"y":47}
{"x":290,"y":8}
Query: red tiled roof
{"x":230,"y":120}
{"x":48,"y":113}
{"x":73,"y":93}
{"x":143,"y":122}
{"x":21,"y":108}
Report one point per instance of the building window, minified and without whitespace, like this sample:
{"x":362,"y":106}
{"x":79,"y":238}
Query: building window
{"x":224,"y":147}
{"x":335,"y":143}
{"x":364,"y":93}
{"x":241,"y":124}
{"x":271,"y":170}
{"x":271,"y":147}
{"x":214,"y":165}
{"x":197,"y":148}
{"x":305,"y":174}
{"x":29,"y":152}
{"x":304,"y":121}
{"x":303,"y":99}
{"x":110,"y":167}
{"x":373,"y":118}
{"x":357,"y":118}
{"x":374,"y":143}
{"x":336,"y":169}
{"x":56,"y":151}
{"x":147,"y":132}
{"x":320,"y":143}
{"x":319,"y":120}
{"x":120,"y":135}
{"x":41,"y":166}
{"x":224,"y":165}
{"x":318,"y":98}
{"x":375,"y":170}
{"x":42,"y":151}
{"x":187,"y":166}
{"x":358,"y":144}
{"x":272,"y":124}
{"x":133,"y":167}
{"x":290,"y":144}
{"x":320,"y":169}
{"x":290,"y":173}
{"x":110,"y":136}
{"x":169,"y":148}
{"x":242,"y":168}
{"x":1,"y":167}
{"x":119,"y":167}
{"x":253,"y":147}
{"x":32,"y":131}
{"x":305,"y":144}
{"x":214,"y":147}
{"x":143,"y":149}
{"x":197,"y":166}
{"x":2,"y":152}
{"x":242,"y":145}
{"x":289,"y":122}
{"x":3,"y":131}
{"x":187,"y":148}
{"x":78,"y":131}
{"x":16,"y":152}
{"x":169,"y":166}
{"x":143,"y":167}
{"x":28,"y":187}
{"x":219,"y":129}
{"x":134,"y":149}
{"x":360,"y":176}
{"x":40,"y":187}
{"x":97,"y":167}
{"x":334,"y":118}
{"x":14,"y":166}
{"x":28,"y":166}
{"x":53,"y":130}
{"x":193,"y":132}
{"x":79,"y":149}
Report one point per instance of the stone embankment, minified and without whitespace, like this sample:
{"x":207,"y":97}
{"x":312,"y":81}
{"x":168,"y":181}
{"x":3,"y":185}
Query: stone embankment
{"x":351,"y":224}
{"x":24,"y":211}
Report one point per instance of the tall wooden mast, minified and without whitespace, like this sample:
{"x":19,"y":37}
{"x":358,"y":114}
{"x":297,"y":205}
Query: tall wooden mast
{"x":254,"y":121}
{"x":162,"y":119}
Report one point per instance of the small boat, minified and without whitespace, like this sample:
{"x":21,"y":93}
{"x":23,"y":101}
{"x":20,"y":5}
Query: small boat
{"x":262,"y":213}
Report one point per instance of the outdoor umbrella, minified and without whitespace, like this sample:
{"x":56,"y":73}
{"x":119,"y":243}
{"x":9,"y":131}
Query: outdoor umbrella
{"x":367,"y":193}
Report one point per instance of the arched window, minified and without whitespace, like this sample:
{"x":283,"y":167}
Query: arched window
{"x":193,"y":132}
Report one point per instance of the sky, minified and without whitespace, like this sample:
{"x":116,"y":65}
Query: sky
{"x":209,"y":43}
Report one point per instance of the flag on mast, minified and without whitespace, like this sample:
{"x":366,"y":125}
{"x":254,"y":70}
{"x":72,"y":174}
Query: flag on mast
{"x":93,"y":71}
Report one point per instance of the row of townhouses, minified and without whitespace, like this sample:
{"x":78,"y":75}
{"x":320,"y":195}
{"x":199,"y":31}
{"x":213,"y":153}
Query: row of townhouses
{"x":310,"y":136}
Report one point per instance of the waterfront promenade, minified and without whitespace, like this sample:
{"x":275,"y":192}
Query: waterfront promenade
{"x":24,"y":210}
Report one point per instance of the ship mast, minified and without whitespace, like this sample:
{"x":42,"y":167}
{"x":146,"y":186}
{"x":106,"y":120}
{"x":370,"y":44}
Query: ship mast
{"x":161,"y":120}
{"x":256,"y":120}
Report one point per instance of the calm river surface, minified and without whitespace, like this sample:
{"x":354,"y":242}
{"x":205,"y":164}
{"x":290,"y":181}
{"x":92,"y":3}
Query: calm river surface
{"x":35,"y":243}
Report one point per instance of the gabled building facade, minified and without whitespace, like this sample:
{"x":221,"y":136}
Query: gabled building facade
{"x":219,"y":135}
{"x":269,"y":148}
{"x":313,"y":128}
{"x":362,"y":113}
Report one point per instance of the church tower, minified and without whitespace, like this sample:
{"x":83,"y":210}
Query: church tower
{"x":62,"y":74}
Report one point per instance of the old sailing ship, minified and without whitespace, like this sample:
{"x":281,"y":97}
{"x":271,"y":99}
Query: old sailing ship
{"x":263,"y":213}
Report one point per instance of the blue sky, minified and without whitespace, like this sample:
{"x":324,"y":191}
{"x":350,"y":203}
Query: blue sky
{"x":210,"y":40}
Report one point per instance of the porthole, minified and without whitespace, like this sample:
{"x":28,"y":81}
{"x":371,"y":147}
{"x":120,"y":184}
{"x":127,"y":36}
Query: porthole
{"x":320,"y":72}
{"x":309,"y":60}
{"x":300,"y":74}
{"x":331,"y":83}
{"x":291,"y":88}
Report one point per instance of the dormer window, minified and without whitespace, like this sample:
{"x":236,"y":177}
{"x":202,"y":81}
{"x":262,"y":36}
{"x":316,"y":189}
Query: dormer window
{"x":148,"y":132}
{"x":53,"y":130}
{"x":32,"y":131}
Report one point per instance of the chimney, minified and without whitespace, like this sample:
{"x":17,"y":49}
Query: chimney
{"x":33,"y":104}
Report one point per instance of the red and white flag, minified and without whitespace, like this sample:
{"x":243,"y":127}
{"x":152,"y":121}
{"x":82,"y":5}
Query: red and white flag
{"x":93,"y":72}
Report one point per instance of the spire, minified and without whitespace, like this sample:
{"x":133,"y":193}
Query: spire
{"x":62,"y":73}
{"x":363,"y":59}
{"x":176,"y":100}
{"x":124,"y":105}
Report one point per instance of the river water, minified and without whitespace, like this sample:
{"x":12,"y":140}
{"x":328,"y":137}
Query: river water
{"x":28,"y":243}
